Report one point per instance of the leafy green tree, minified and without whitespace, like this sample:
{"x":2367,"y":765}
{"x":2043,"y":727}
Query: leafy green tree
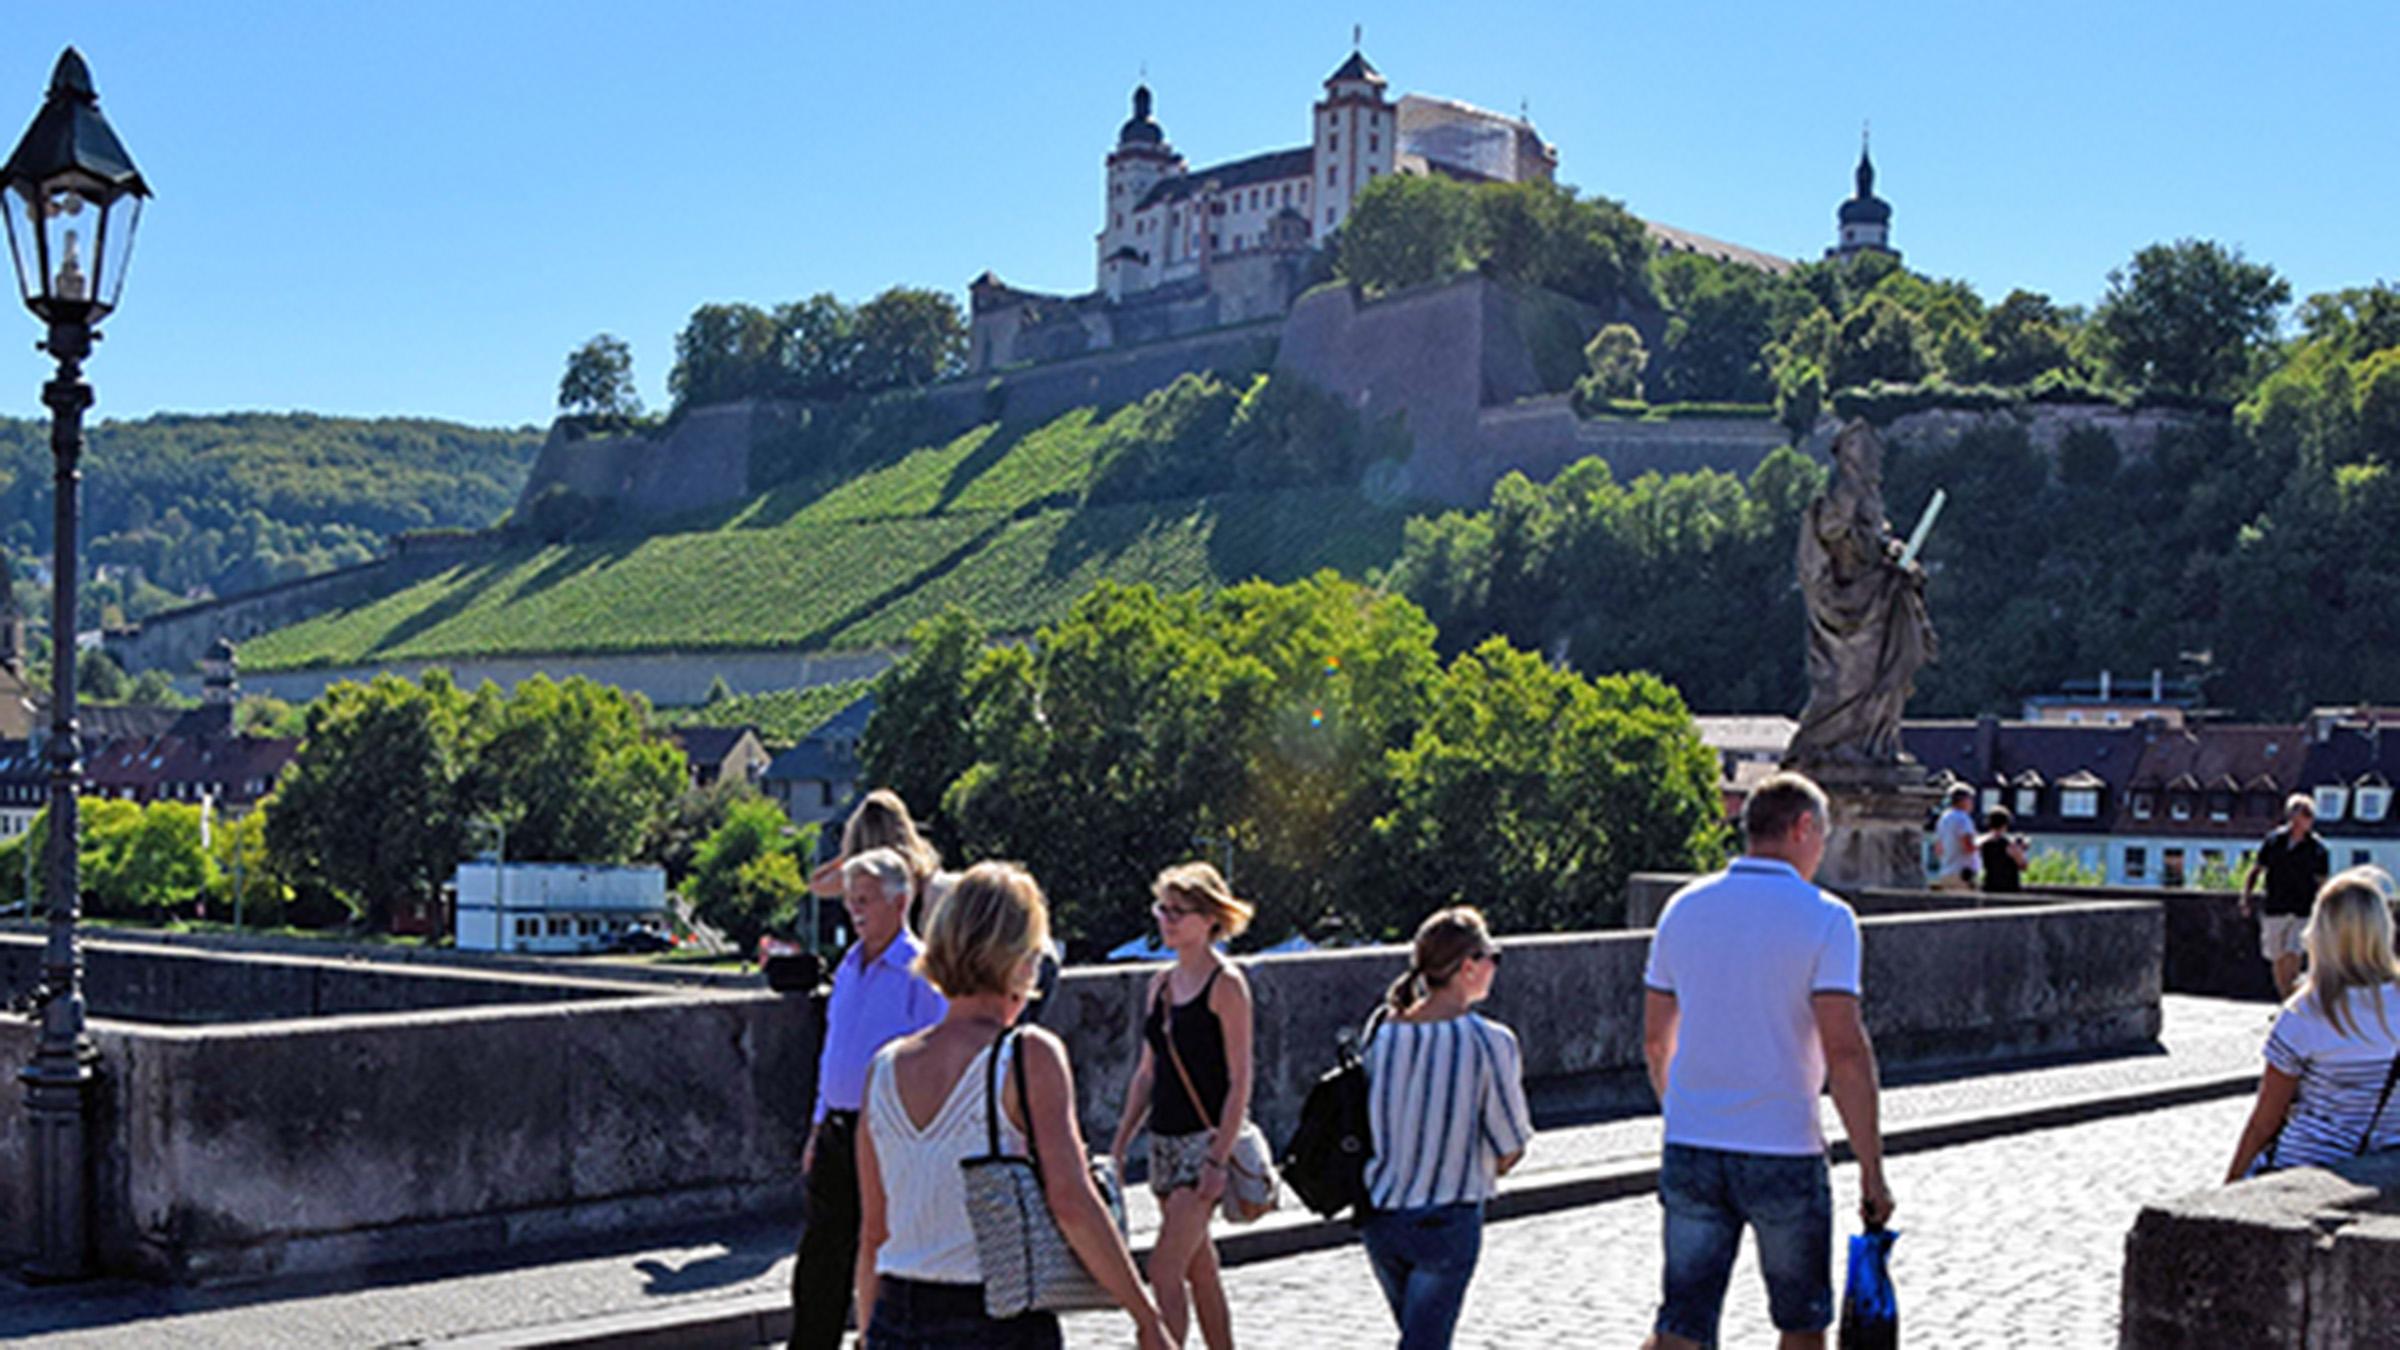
{"x":1616,"y":359}
{"x":99,"y":678}
{"x":1721,"y":319}
{"x":365,"y":815}
{"x":144,"y":861}
{"x":1535,"y":792}
{"x":598,"y":383}
{"x":736,"y":885}
{"x":1406,"y":230}
{"x":907,"y":337}
{"x":238,"y":855}
{"x":817,"y":348}
{"x":2189,"y":317}
{"x":1542,"y":234}
{"x":2025,"y":336}
{"x":1880,"y":340}
{"x":920,"y":737}
{"x":574,"y":768}
{"x":724,"y":352}
{"x":676,"y":834}
{"x":2057,"y":867}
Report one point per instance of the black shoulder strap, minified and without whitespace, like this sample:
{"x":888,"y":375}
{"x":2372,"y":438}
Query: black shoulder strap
{"x":1016,"y":1067}
{"x":2391,"y":1076}
{"x":991,"y":1096}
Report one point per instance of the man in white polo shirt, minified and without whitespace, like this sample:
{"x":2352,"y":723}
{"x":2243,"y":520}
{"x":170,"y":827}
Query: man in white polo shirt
{"x":1752,"y":1010}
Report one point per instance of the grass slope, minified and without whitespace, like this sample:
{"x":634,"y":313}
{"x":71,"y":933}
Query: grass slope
{"x":989,"y":520}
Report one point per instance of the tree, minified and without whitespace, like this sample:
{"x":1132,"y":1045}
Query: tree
{"x":736,"y":885}
{"x":99,"y":678}
{"x":574,"y":768}
{"x":1616,"y":360}
{"x":919,"y":739}
{"x":1535,"y":792}
{"x":724,"y":352}
{"x":1721,"y":320}
{"x":1880,"y":340}
{"x":599,"y":382}
{"x":2024,"y":336}
{"x":907,"y":337}
{"x":1406,"y":230}
{"x":817,"y":347}
{"x":2188,"y":317}
{"x":1539,"y":233}
{"x":364,"y":817}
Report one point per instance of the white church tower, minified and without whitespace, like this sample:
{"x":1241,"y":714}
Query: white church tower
{"x":1355,"y":135}
{"x":1141,"y":158}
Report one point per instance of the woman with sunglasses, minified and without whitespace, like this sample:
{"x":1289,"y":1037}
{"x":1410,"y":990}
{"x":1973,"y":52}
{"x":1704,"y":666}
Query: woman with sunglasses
{"x":1194,"y":1090}
{"x":1446,"y":1101}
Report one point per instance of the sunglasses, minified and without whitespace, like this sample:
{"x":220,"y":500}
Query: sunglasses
{"x":1491,"y":954}
{"x":1166,"y":911}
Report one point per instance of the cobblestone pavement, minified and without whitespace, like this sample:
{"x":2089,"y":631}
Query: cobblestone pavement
{"x":2009,"y":1243}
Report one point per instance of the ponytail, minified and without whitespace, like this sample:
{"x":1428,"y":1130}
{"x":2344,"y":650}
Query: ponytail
{"x":1407,"y":990}
{"x":1444,"y":941}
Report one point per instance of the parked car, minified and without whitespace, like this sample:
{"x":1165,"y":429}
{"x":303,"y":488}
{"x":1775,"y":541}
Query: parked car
{"x":640,"y":940}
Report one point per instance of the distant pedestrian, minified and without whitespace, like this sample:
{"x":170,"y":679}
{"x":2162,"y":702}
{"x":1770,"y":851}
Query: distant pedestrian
{"x":1446,"y":1101}
{"x":878,"y":997}
{"x":1191,"y":1083}
{"x":920,"y":1280}
{"x":881,"y":820}
{"x":1954,"y":843}
{"x":2001,"y":854}
{"x":1752,"y":1010}
{"x":2335,"y":1048}
{"x":2293,"y":863}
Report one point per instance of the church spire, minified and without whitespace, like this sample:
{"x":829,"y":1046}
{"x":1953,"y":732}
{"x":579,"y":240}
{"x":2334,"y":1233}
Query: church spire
{"x":1866,"y":166}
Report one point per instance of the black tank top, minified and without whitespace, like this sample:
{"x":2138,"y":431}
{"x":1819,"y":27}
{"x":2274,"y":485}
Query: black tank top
{"x":1200,"y":1039}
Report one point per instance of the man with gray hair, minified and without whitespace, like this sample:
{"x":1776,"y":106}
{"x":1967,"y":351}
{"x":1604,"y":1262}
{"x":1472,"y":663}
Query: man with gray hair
{"x":878,"y":997}
{"x":1752,"y":1009}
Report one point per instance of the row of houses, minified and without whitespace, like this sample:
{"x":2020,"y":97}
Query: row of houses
{"x":2152,"y":801}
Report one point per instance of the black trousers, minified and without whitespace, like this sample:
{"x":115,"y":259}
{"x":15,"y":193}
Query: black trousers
{"x":823,"y":1278}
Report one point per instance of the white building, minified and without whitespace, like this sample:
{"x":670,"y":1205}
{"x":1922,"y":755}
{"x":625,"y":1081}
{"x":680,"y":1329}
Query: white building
{"x":555,"y":907}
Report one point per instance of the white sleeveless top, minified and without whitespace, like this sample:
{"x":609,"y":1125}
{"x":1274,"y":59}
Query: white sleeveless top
{"x":924,"y":1193}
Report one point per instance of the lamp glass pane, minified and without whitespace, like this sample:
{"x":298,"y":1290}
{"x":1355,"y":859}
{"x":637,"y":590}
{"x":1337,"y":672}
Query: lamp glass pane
{"x":116,"y":248}
{"x":24,"y":240}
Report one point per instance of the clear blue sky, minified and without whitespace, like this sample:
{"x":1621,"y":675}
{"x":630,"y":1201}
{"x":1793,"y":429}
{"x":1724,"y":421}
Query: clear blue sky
{"x":419,"y":208}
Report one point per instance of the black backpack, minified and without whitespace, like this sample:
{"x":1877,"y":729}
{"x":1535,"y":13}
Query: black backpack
{"x":1325,"y":1163}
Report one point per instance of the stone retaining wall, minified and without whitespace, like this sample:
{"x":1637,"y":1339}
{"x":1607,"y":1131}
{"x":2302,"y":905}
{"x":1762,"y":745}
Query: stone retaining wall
{"x":2307,"y":1259}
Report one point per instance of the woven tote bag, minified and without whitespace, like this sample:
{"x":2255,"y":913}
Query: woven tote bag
{"x":1027,"y":1264}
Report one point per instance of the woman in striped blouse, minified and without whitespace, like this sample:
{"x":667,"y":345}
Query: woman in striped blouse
{"x":1446,"y":1099}
{"x":2331,"y":1054}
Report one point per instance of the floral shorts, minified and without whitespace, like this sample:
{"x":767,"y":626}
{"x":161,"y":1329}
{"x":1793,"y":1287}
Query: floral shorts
{"x":1175,"y":1160}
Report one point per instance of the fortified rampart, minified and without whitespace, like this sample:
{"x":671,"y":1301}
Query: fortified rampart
{"x":354,"y":1137}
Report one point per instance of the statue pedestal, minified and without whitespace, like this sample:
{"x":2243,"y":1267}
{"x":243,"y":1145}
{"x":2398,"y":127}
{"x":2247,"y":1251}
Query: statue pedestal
{"x":1877,"y":834}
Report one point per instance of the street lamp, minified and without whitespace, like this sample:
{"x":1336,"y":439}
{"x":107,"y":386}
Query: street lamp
{"x":71,"y":198}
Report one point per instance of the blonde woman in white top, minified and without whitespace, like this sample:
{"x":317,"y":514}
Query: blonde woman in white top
{"x":919,"y":1284}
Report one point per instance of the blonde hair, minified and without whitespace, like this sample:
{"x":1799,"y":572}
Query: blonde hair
{"x":882,"y":821}
{"x":984,"y":934}
{"x":2350,"y":945}
{"x":1203,"y":888}
{"x":1444,"y":942}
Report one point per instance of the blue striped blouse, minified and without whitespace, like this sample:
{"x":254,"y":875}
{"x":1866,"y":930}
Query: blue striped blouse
{"x":2340,"y":1077}
{"x":1447,"y":1102}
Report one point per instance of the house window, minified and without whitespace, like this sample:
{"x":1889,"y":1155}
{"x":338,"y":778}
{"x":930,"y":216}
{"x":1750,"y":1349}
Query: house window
{"x":1374,"y":143}
{"x":558,"y":927}
{"x":1333,"y":145}
{"x":2330,"y":801}
{"x":2028,"y":799}
{"x":2144,"y":805}
{"x":2079,"y":803}
{"x":2220,"y":806}
{"x":1329,"y":215}
{"x":2137,"y":863}
{"x":1991,"y":800}
{"x":2360,"y":857}
{"x":2180,"y":808}
{"x":1332,"y":174}
{"x":2374,"y":802}
{"x":1372,"y":171}
{"x":2170,"y":867}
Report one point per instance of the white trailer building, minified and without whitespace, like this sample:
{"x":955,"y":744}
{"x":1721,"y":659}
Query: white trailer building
{"x":555,"y":907}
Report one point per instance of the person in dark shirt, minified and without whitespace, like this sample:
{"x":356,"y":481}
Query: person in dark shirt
{"x":2001,"y":853}
{"x":2293,"y":863}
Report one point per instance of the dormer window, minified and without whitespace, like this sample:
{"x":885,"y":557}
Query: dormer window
{"x":2331,"y":801}
{"x":2145,"y":805}
{"x":1990,"y":800}
{"x":2220,"y":806}
{"x":2374,"y":802}
{"x":2180,"y":808}
{"x":2079,"y":803}
{"x":2028,"y":800}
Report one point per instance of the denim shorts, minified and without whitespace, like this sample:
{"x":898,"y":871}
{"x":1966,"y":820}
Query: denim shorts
{"x":1710,"y":1195}
{"x":918,"y":1315}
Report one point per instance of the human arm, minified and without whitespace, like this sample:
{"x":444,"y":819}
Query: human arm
{"x":1137,"y":1092}
{"x":827,"y":879}
{"x":873,"y":1226}
{"x":1851,"y":1075}
{"x":1230,"y":1001}
{"x":2251,"y":872}
{"x":2275,"y":1092}
{"x":1662,"y":1017}
{"x":1084,"y":1221}
{"x":1507,"y":1120}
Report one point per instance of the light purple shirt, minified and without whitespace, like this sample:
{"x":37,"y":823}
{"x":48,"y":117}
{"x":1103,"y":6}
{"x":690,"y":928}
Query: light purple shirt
{"x":873,"y":1004}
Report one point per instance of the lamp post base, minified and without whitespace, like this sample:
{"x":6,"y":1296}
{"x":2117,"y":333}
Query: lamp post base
{"x":56,"y":1096}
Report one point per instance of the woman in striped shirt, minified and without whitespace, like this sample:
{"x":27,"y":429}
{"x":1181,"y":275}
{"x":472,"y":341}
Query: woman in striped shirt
{"x":2331,"y":1055}
{"x":1446,"y":1100}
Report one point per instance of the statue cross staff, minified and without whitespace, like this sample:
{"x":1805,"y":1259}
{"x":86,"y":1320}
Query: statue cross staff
{"x":1916,"y":537}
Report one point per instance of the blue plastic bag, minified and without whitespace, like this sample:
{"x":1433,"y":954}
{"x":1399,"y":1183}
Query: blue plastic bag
{"x":1870,"y":1308}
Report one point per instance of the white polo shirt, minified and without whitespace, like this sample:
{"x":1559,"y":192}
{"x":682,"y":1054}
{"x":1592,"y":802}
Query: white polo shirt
{"x":1743,"y":951}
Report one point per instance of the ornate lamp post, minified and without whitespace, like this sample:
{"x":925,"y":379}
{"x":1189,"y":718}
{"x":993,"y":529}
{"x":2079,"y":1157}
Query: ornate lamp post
{"x":71,"y":198}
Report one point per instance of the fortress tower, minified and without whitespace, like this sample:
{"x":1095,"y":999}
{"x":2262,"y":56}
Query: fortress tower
{"x":1356,"y":139}
{"x":1142,"y":158}
{"x":1865,"y":219}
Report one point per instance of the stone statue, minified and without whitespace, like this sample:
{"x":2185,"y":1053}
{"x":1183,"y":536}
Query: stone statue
{"x":1867,"y":628}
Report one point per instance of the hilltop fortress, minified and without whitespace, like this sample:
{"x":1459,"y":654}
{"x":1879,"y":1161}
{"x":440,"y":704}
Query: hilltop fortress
{"x":1182,"y":250}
